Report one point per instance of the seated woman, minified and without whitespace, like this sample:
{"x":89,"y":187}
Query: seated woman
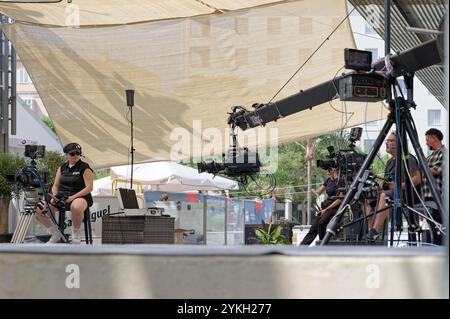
{"x":73,"y":181}
{"x":329,"y":207}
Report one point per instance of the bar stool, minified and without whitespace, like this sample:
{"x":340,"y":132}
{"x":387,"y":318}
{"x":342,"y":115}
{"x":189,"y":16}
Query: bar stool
{"x":86,"y":223}
{"x":87,"y":226}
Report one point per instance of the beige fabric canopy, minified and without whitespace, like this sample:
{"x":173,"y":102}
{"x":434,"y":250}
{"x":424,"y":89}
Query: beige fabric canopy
{"x":118,"y":12}
{"x":183,"y":70}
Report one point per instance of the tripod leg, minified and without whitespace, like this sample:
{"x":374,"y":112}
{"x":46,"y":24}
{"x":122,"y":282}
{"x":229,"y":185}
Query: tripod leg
{"x":409,"y":197}
{"x":392,"y":218}
{"x":16,"y":231}
{"x":424,"y":167}
{"x":333,"y":224}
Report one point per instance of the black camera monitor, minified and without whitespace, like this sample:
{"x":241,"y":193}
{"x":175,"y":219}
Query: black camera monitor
{"x":358,"y":59}
{"x":128,"y":199}
{"x":34,"y":151}
{"x":355,"y":134}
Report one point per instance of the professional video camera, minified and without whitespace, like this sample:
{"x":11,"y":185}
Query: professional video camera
{"x":347,"y":161}
{"x":29,"y":177}
{"x":237,"y":163}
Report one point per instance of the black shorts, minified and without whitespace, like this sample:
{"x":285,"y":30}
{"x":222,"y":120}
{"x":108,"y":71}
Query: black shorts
{"x":87,"y":198}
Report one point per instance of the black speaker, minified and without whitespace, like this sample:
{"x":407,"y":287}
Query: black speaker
{"x":130,"y":97}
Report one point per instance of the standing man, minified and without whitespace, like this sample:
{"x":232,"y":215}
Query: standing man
{"x":435,"y":162}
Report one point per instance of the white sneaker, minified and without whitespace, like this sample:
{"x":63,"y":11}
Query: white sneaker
{"x":76,"y":236}
{"x":56,"y":236}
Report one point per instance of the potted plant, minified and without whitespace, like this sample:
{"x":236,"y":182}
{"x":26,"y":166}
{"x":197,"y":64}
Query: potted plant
{"x":9,"y":164}
{"x":270,"y":234}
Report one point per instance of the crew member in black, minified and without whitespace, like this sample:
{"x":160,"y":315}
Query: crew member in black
{"x":379,"y":219}
{"x":329,"y":207}
{"x":73,"y":181}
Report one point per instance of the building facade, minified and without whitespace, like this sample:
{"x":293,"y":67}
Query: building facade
{"x":429,"y":112}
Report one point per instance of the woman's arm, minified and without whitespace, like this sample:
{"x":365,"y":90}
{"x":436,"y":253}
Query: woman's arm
{"x":319,"y":191}
{"x":88,"y":181}
{"x":55,"y":186}
{"x":333,"y":205}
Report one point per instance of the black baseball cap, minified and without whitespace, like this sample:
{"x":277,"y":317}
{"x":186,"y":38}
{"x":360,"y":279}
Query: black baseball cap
{"x":72,"y":147}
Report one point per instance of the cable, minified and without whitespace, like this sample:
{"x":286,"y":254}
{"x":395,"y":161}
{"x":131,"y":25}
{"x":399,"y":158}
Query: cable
{"x":368,"y":36}
{"x":346,"y":114}
{"x":422,"y":243}
{"x":344,"y":105}
{"x":50,"y":214}
{"x":279,"y":188}
{"x":312,"y":54}
{"x":335,"y":88}
{"x":438,"y":225}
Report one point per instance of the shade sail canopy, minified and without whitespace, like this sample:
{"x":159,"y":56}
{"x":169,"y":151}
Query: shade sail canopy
{"x":172,"y":177}
{"x":187,"y":73}
{"x":86,"y":13}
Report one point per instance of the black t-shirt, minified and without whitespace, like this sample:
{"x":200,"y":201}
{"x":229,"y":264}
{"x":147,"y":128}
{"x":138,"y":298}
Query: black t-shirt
{"x":389,"y":172}
{"x":72,"y":180}
{"x":332,"y":186}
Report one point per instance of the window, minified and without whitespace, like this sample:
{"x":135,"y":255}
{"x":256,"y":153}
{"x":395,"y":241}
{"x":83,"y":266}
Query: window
{"x":304,"y":54}
{"x":199,"y":57}
{"x":374,"y":53}
{"x":434,"y":117}
{"x":368,"y":144}
{"x":305,"y":25}
{"x":274,"y":25}
{"x":200,"y":28}
{"x":369,"y":29}
{"x":273,"y":56}
{"x":242,"y":25}
{"x":23,"y":77}
{"x":242,"y":56}
{"x":28,"y":101}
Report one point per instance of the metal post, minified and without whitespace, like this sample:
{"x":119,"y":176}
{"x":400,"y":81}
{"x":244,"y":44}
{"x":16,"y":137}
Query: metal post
{"x":387,"y":45}
{"x":13,"y":99}
{"x":226,"y":221}
{"x":309,"y":158}
{"x":4,"y":91}
{"x":205,"y":218}
{"x":445,"y":186}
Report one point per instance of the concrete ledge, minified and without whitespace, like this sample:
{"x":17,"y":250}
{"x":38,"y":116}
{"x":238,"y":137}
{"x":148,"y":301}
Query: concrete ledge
{"x":35,"y":271}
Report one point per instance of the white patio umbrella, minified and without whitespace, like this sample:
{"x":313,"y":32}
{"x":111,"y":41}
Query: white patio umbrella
{"x":169,"y":176}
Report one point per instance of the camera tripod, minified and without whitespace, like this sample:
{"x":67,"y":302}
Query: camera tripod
{"x":401,"y":116}
{"x":32,"y":198}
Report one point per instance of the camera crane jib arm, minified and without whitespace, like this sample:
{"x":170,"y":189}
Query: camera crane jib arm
{"x":406,"y":62}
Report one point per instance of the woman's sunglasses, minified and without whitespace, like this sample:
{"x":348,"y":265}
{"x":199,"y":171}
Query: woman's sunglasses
{"x":73,"y":153}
